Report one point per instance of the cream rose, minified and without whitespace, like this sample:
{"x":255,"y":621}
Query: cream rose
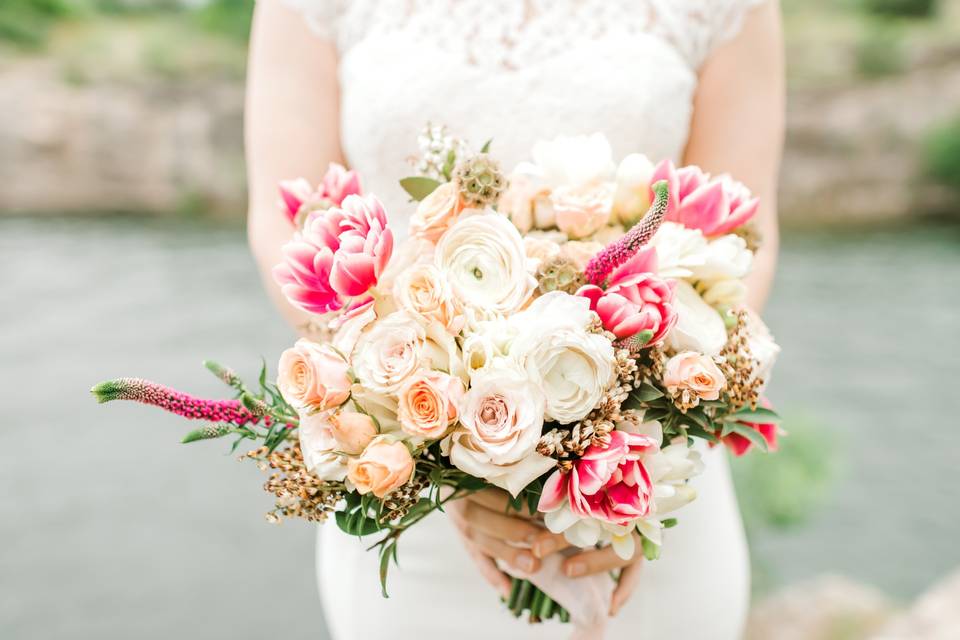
{"x":395,"y":347}
{"x":631,"y":198}
{"x":693,"y":377}
{"x":436,"y":213}
{"x":384,"y":466}
{"x":573,"y":366}
{"x":679,"y":250}
{"x":574,"y":160}
{"x":483,"y":259}
{"x":516,"y":202}
{"x":423,"y":291}
{"x":699,"y":327}
{"x":579,"y":253}
{"x":487,"y":344}
{"x":353,"y":431}
{"x":726,"y":257}
{"x":319,"y":447}
{"x":580,"y":211}
{"x":348,"y":327}
{"x":313,"y":376}
{"x":428,"y":404}
{"x":501,"y":419}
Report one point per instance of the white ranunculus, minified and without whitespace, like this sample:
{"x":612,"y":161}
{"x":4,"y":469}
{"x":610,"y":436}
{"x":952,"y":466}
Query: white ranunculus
{"x":632,"y":196}
{"x":574,"y":366}
{"x":574,"y":160}
{"x":318,"y":446}
{"x":501,"y":420}
{"x":394,"y":347}
{"x":725,"y":258}
{"x":699,"y":327}
{"x":762,"y":346}
{"x":679,"y":250}
{"x":483,"y":259}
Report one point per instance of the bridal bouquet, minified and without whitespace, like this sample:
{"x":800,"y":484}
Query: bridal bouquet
{"x":567,"y":333}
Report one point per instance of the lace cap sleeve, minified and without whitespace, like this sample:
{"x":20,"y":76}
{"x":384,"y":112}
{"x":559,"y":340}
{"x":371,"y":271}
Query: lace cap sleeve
{"x":699,"y":26}
{"x":321,"y":16}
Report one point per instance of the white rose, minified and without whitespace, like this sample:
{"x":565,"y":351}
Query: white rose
{"x":582,"y":210}
{"x":487,"y":344}
{"x":318,"y":446}
{"x":632,"y":196}
{"x":574,"y":160}
{"x":395,"y":347}
{"x":483,"y":259}
{"x":679,"y":250}
{"x":501,"y":421}
{"x":699,"y":327}
{"x":574,"y":366}
{"x":724,"y":258}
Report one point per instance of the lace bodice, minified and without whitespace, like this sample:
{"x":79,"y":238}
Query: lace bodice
{"x":516,"y":71}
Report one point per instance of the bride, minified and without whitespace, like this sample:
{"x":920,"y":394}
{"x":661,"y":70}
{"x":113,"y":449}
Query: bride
{"x":699,"y":81}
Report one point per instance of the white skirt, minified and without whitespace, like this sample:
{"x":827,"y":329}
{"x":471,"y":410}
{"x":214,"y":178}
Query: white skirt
{"x":699,"y":588}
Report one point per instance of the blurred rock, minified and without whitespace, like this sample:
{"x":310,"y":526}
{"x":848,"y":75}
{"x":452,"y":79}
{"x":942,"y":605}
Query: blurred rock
{"x":934,"y":616}
{"x":825,"y":608}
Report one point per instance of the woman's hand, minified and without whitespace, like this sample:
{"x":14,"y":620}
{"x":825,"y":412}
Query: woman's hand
{"x":593,"y":561}
{"x":490,"y":534}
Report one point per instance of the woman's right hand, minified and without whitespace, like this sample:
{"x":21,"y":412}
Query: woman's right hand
{"x":489,"y":534}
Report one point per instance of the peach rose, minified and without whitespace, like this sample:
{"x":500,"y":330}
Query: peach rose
{"x":313,"y":376}
{"x":693,"y":377}
{"x":385,"y":465}
{"x":424,"y":291}
{"x":436,"y":212}
{"x":580,"y":211}
{"x":428,"y":404}
{"x":353,"y":431}
{"x":516,"y":202}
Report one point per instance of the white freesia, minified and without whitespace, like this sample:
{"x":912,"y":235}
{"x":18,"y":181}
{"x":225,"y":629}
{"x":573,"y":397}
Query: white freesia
{"x":501,"y":419}
{"x":724,"y":294}
{"x":762,"y":346}
{"x":319,"y":446}
{"x":483,"y":258}
{"x":574,"y":160}
{"x":573,"y":366}
{"x":632,"y":196}
{"x":393,"y":348}
{"x":699,"y":327}
{"x":724,"y":258}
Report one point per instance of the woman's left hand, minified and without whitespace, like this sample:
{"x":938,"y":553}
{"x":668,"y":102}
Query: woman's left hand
{"x":596,"y":561}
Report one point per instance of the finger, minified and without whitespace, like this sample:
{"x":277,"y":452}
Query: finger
{"x":518,"y":558}
{"x":595,"y":561}
{"x":492,"y":499}
{"x":546,"y":543}
{"x":479,"y":519}
{"x":629,"y":578}
{"x":489,"y":571}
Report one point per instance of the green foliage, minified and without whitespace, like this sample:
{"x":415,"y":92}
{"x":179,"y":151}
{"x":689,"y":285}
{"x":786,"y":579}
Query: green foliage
{"x":784,"y":490}
{"x":880,"y":51}
{"x":419,"y":187}
{"x":25,"y":23}
{"x":901,"y":8}
{"x":941,"y":154}
{"x":227,"y":17}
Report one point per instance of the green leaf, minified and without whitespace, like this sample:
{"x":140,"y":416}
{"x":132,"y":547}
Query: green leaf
{"x":449,"y":163}
{"x":758,"y":415}
{"x":751,"y":434}
{"x":486,"y":146}
{"x":669,"y":523}
{"x":697,"y":432}
{"x":356,"y":523}
{"x":647,"y":392}
{"x":419,"y":187}
{"x":386,"y":552}
{"x":698,"y":418}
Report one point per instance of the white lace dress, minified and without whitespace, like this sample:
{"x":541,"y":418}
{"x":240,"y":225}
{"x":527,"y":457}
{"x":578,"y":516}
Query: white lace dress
{"x":519,"y":71}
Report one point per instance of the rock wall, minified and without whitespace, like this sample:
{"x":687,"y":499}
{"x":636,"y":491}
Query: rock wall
{"x":163,"y":145}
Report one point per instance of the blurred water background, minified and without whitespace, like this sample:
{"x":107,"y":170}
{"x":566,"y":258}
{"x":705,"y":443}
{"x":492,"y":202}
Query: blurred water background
{"x":112,"y":529}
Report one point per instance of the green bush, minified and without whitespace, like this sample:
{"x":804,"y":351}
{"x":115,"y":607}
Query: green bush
{"x":906,"y":8}
{"x":228,"y":17}
{"x":26,"y":22}
{"x":942,"y":154}
{"x":880,"y":50}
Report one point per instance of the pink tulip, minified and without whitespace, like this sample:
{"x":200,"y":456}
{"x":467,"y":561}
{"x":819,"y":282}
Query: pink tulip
{"x":298,"y":197}
{"x":635,"y":300}
{"x":339,"y":254}
{"x":715,"y":205}
{"x":608,"y":483}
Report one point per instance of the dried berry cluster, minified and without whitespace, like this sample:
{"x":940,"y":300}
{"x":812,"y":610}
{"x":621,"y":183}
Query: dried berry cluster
{"x":299,"y":493}
{"x":738,"y":365}
{"x":398,"y":503}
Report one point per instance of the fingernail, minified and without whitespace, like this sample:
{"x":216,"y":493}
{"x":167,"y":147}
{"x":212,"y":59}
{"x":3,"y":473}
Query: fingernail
{"x":545,"y":547}
{"x":525,"y":561}
{"x":574,"y":569}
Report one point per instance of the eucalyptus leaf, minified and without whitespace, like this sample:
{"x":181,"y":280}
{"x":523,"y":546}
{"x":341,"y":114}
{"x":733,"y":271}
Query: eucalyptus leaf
{"x":419,"y":187}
